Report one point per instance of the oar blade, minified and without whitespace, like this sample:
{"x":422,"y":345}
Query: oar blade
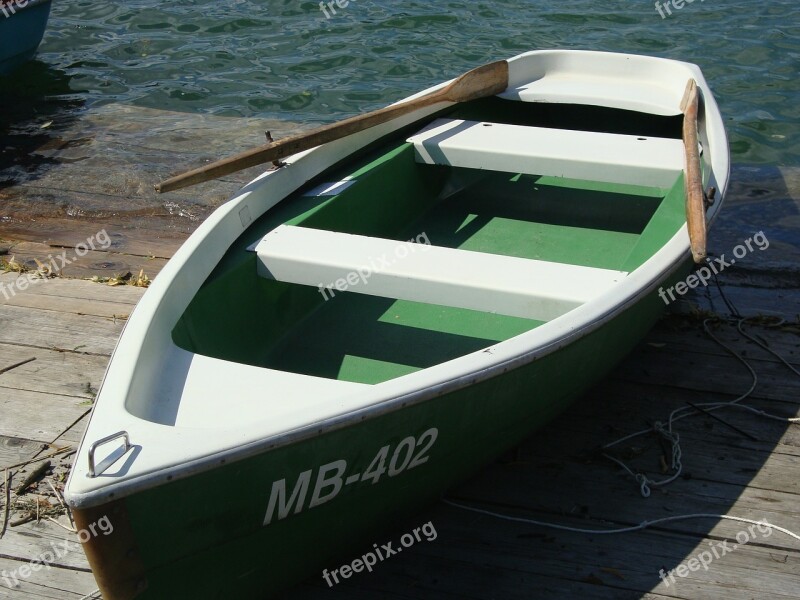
{"x":693,"y":178}
{"x":481,"y":82}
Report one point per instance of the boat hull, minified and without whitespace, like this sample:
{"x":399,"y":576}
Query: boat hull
{"x":233,"y":522}
{"x":262,"y":473}
{"x":21,"y":33}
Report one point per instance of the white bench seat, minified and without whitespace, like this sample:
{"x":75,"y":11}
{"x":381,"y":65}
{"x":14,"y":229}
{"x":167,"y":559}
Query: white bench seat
{"x":603,"y":157}
{"x":639,"y":94}
{"x":337,"y":262}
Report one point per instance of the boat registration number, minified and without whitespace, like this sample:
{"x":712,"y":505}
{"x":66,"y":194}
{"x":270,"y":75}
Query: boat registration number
{"x":331,"y":478}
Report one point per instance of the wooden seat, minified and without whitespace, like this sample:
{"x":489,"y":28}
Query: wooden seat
{"x":338,"y":262}
{"x":603,"y":157}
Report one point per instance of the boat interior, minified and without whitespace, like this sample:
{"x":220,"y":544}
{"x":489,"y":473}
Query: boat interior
{"x":443,"y":239}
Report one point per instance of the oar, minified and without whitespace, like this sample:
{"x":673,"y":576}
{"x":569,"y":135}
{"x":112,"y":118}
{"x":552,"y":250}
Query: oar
{"x":693,"y":185}
{"x":484,"y":81}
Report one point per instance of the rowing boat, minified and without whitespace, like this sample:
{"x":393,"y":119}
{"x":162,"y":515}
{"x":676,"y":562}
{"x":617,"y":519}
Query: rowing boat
{"x":22,"y":25}
{"x":363,"y":327}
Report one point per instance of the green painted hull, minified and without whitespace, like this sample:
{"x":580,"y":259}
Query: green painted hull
{"x":212,"y":522}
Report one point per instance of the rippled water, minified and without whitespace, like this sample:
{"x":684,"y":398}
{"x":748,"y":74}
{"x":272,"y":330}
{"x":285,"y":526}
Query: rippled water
{"x":125,"y":93}
{"x":284,"y":59}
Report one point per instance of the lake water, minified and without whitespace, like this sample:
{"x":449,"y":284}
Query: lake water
{"x":286,"y":60}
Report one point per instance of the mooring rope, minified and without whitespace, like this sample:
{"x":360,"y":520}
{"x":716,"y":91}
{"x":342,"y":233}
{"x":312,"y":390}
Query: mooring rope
{"x":640,"y":526}
{"x":645,"y":482}
{"x":673,"y":438}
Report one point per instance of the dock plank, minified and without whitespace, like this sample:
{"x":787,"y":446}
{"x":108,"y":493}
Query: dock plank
{"x":58,"y":330}
{"x":77,"y":289}
{"x":58,"y":373}
{"x":53,"y":583}
{"x":40,"y":417}
{"x":68,"y":233}
{"x":91,"y":264}
{"x":14,"y":450}
{"x":33,"y":540}
{"x":77,"y":306}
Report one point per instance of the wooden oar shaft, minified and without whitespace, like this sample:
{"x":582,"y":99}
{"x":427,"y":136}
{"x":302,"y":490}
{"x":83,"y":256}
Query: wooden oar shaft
{"x":487,"y":80}
{"x":287,"y":146}
{"x":693,"y":182}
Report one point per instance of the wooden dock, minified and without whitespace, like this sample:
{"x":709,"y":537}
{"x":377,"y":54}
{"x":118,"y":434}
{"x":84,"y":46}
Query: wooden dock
{"x":70,"y":326}
{"x":63,"y":330}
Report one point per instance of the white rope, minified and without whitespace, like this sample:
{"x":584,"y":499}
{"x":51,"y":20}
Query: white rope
{"x":778,"y":323}
{"x":667,"y":433}
{"x":640,"y":526}
{"x":645,"y":482}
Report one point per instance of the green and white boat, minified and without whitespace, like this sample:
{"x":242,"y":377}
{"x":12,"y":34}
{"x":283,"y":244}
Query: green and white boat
{"x":362,"y":328}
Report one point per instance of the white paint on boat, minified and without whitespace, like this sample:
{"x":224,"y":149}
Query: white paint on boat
{"x":330,"y":189}
{"x":507,"y":285}
{"x":641,"y":83}
{"x":604,"y":157}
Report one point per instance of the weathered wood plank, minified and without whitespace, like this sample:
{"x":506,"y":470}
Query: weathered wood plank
{"x":58,"y":373}
{"x":61,"y":331}
{"x":479,"y":557}
{"x":689,"y":333}
{"x":40,"y":417}
{"x":786,"y":345}
{"x":60,"y":233}
{"x":612,"y":563}
{"x":621,"y":407}
{"x":314,"y":590}
{"x":14,"y":450}
{"x":78,"y":289}
{"x":719,"y":476}
{"x":77,"y":306}
{"x":55,"y":583}
{"x":703,"y":350}
{"x":605,"y":495}
{"x":32,"y":540}
{"x":93,"y":263}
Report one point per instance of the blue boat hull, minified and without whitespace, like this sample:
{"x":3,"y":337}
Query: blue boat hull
{"x":21,"y":32}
